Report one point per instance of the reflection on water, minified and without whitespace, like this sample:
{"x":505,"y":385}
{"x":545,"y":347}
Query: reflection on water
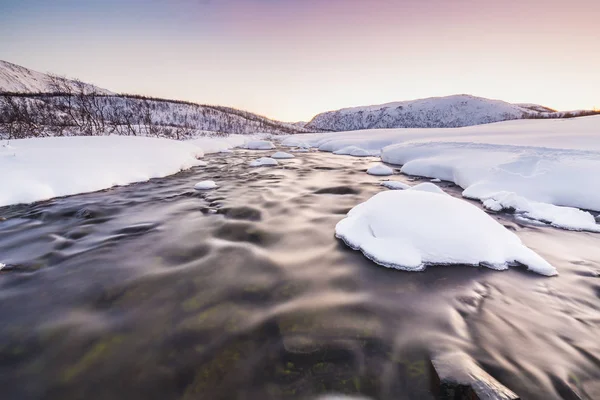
{"x":157,"y":291}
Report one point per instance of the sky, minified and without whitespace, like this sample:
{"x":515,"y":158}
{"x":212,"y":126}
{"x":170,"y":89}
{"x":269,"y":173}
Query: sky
{"x":292,"y":59}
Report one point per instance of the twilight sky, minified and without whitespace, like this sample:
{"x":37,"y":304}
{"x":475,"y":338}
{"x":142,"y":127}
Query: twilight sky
{"x":291,"y":59}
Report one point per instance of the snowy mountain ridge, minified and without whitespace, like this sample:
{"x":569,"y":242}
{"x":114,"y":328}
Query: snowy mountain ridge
{"x":34,"y":104}
{"x":435,"y":112}
{"x":17,"y":79}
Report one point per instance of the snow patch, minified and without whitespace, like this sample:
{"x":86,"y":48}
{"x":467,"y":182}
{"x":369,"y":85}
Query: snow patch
{"x":259,"y":145}
{"x":412,"y":229}
{"x":354,"y":151}
{"x":264,"y":162}
{"x":380,"y":170}
{"x":427,"y":187}
{"x":281,"y":155}
{"x":395,"y":185}
{"x":205,"y":185}
{"x":561,"y":217}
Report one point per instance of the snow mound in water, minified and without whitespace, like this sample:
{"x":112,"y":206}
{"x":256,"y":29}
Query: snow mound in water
{"x":205,"y":185}
{"x":264,"y":162}
{"x":427,"y":187}
{"x":380,"y":170}
{"x":295,"y":142}
{"x":395,"y":185}
{"x":282,"y":155}
{"x":412,"y":229}
{"x":353,"y":151}
{"x":259,"y":145}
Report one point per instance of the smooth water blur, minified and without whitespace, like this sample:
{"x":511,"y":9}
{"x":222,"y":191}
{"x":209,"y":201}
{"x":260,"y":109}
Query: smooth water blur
{"x":158,"y":291}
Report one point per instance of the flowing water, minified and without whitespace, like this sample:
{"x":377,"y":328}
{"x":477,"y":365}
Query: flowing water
{"x":157,"y":291}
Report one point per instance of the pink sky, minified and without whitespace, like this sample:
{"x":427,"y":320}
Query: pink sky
{"x":290,"y":59}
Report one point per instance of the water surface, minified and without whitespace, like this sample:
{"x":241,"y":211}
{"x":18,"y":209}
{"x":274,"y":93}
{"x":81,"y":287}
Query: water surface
{"x":158,"y":291}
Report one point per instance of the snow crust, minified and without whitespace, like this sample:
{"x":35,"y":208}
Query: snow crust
{"x":412,"y":229}
{"x":219,"y":144}
{"x":259,"y":145}
{"x":427,"y":187}
{"x":355,"y":151}
{"x":380,"y":170}
{"x":18,"y":79}
{"x":395,"y":185}
{"x":292,"y":141}
{"x":264,"y":162}
{"x":43,"y":168}
{"x":488,"y":161}
{"x":205,"y":185}
{"x":282,"y":155}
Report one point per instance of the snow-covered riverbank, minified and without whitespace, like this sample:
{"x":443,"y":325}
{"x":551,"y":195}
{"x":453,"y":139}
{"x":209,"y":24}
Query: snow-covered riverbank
{"x":543,"y":169}
{"x":40,"y":169}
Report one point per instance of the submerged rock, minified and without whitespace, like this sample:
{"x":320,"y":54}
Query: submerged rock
{"x":455,"y":376}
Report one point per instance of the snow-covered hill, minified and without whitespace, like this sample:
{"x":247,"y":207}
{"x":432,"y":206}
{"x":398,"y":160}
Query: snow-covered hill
{"x":436,"y":112}
{"x":17,"y":79}
{"x":34,"y":104}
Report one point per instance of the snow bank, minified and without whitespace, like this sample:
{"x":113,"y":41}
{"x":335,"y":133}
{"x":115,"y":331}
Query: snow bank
{"x":292,"y":141}
{"x":264,"y":162}
{"x":395,"y":185}
{"x":282,"y":155}
{"x":355,"y":151}
{"x":205,"y":185}
{"x":219,"y":144}
{"x":560,"y":217}
{"x":259,"y":145}
{"x":543,"y":184}
{"x":489,"y":160}
{"x":380,"y":170}
{"x":43,"y":168}
{"x":412,"y":229}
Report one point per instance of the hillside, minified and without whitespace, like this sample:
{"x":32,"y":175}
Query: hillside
{"x":436,"y":112}
{"x":34,"y":104}
{"x":17,"y":79}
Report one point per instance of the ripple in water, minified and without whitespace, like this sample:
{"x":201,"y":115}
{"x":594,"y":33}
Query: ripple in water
{"x":156,"y":291}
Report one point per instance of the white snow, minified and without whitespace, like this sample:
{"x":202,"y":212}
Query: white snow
{"x":15,"y":78}
{"x":205,"y":185}
{"x":436,"y":112}
{"x":282,"y":155}
{"x":43,"y":168}
{"x":436,"y":180}
{"x":264,"y":162}
{"x":219,"y":144}
{"x":554,"y":162}
{"x":2,"y":266}
{"x":259,"y":145}
{"x":292,"y":141}
{"x":355,"y":151}
{"x":380,"y":170}
{"x":561,"y":217}
{"x":395,"y":185}
{"x":427,"y":187}
{"x":412,"y":229}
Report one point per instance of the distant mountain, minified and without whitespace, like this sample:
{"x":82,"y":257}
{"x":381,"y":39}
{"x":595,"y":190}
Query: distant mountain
{"x":17,"y":79}
{"x":37,"y":104}
{"x":436,"y":112}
